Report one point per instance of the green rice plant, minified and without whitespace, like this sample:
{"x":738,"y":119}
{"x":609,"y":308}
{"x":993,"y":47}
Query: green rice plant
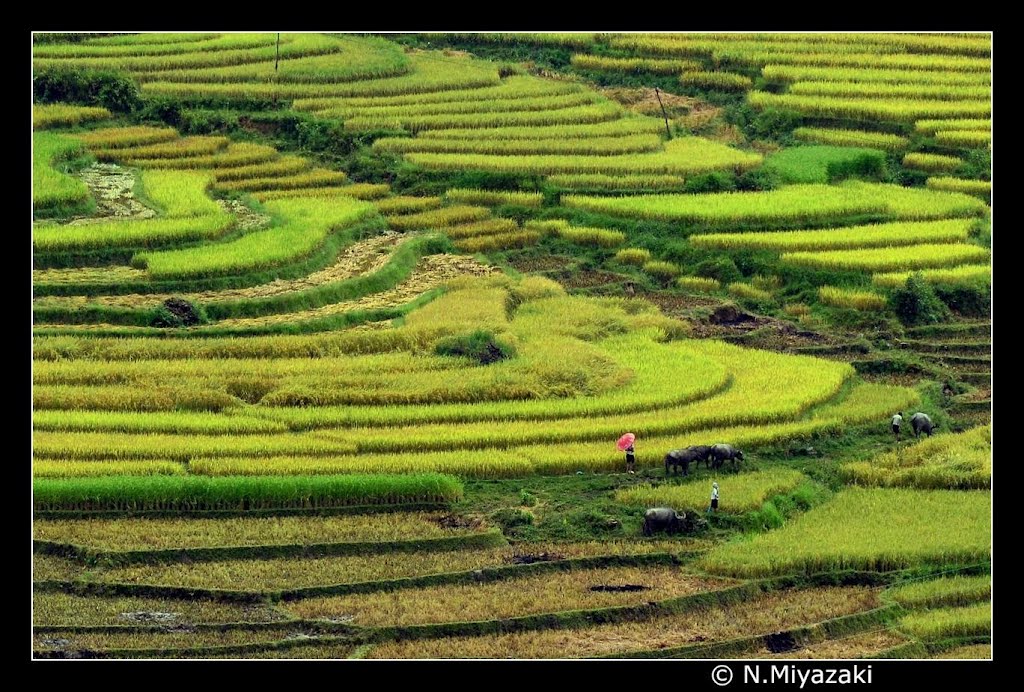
{"x":982,"y":188}
{"x":744,"y":492}
{"x":151,"y":44}
{"x":969,"y":139}
{"x":289,"y":573}
{"x":851,"y":138}
{"x":428,"y":72}
{"x":174,"y":149}
{"x":57,"y":609}
{"x":745,"y":291}
{"x":483,"y":107}
{"x":968,"y":274}
{"x":698,"y":283}
{"x":165,"y":533}
{"x":498,"y":241}
{"x":902,"y":110}
{"x":482,"y":228}
{"x":947,"y":623}
{"x":306,"y":224}
{"x":795,"y":73}
{"x":633,"y":255}
{"x":664,"y":374}
{"x":878,"y":529}
{"x":894,"y":234}
{"x":488,"y":463}
{"x":981,"y":652}
{"x":820,"y":164}
{"x":659,"y":269}
{"x":188,"y":214}
{"x":61,"y":114}
{"x":775,"y":611}
{"x":403,"y":204}
{"x":891,"y":259}
{"x":50,"y":468}
{"x":855,"y":300}
{"x":930,"y":127}
{"x":178,"y":422}
{"x":283,"y":166}
{"x":932,"y":163}
{"x":621,"y":127}
{"x":493,"y":198}
{"x":439,"y":218}
{"x":50,"y":187}
{"x":579,"y":40}
{"x":131,"y":136}
{"x":368,"y":191}
{"x":131,"y":234}
{"x":944,"y":92}
{"x":565,"y":590}
{"x":722,"y":81}
{"x":355,"y":58}
{"x":591,"y":113}
{"x":865,"y":60}
{"x":601,"y":63}
{"x":137,"y":398}
{"x":957,"y":590}
{"x":787,"y":206}
{"x":245,"y":49}
{"x":314,"y":177}
{"x":199,"y":492}
{"x":959,"y":461}
{"x":602,"y":146}
{"x":602,"y":182}
{"x":179,"y":194}
{"x":235,"y":155}
{"x":599,"y":237}
{"x":118,"y":446}
{"x":680,"y":156}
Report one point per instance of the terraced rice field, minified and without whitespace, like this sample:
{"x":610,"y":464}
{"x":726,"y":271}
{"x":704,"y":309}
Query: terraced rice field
{"x":291,"y":399}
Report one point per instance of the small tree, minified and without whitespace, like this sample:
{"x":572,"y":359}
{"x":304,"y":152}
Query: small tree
{"x":917,"y":303}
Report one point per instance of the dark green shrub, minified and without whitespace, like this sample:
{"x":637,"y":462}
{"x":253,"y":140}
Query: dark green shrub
{"x":111,"y":90}
{"x":511,"y":517}
{"x":481,"y":345}
{"x":969,"y":301}
{"x":917,"y":302}
{"x":711,"y":182}
{"x":721,"y":268}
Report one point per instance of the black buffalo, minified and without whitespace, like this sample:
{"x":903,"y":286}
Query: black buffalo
{"x":684,"y":457}
{"x":721,"y":453}
{"x":921,"y":423}
{"x":663,"y":519}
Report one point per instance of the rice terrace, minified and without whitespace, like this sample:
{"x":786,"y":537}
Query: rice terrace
{"x":512,"y":345}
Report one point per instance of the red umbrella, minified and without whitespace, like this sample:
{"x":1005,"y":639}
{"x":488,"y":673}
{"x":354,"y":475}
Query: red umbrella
{"x":625,"y":441}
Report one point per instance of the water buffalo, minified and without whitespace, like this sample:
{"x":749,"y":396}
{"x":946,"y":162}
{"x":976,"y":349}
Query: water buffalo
{"x":921,"y":423}
{"x":720,"y":453}
{"x":684,"y":457}
{"x":662,"y":519}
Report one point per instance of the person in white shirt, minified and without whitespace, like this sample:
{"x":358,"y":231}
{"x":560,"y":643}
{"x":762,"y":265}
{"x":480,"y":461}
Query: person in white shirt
{"x":896,"y":421}
{"x":714,"y":498}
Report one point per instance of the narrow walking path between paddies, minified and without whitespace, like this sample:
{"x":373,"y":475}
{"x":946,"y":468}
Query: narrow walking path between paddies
{"x":334,"y":336}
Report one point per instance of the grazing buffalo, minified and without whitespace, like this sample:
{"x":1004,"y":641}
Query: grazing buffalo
{"x":921,"y":423}
{"x":684,"y":457}
{"x":663,"y":519}
{"x":721,"y":453}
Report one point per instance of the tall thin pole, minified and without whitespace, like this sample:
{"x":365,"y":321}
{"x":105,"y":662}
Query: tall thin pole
{"x":277,"y":57}
{"x":663,"y":113}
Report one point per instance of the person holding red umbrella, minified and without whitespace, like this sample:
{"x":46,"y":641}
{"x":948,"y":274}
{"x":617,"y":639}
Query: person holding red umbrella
{"x":625,"y":444}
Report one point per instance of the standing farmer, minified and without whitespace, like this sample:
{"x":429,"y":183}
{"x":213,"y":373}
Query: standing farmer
{"x":714,"y":497}
{"x":625,"y":444}
{"x":896,"y":421}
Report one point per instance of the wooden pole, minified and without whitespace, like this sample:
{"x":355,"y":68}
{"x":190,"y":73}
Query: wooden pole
{"x":277,"y":57}
{"x":663,"y":113}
